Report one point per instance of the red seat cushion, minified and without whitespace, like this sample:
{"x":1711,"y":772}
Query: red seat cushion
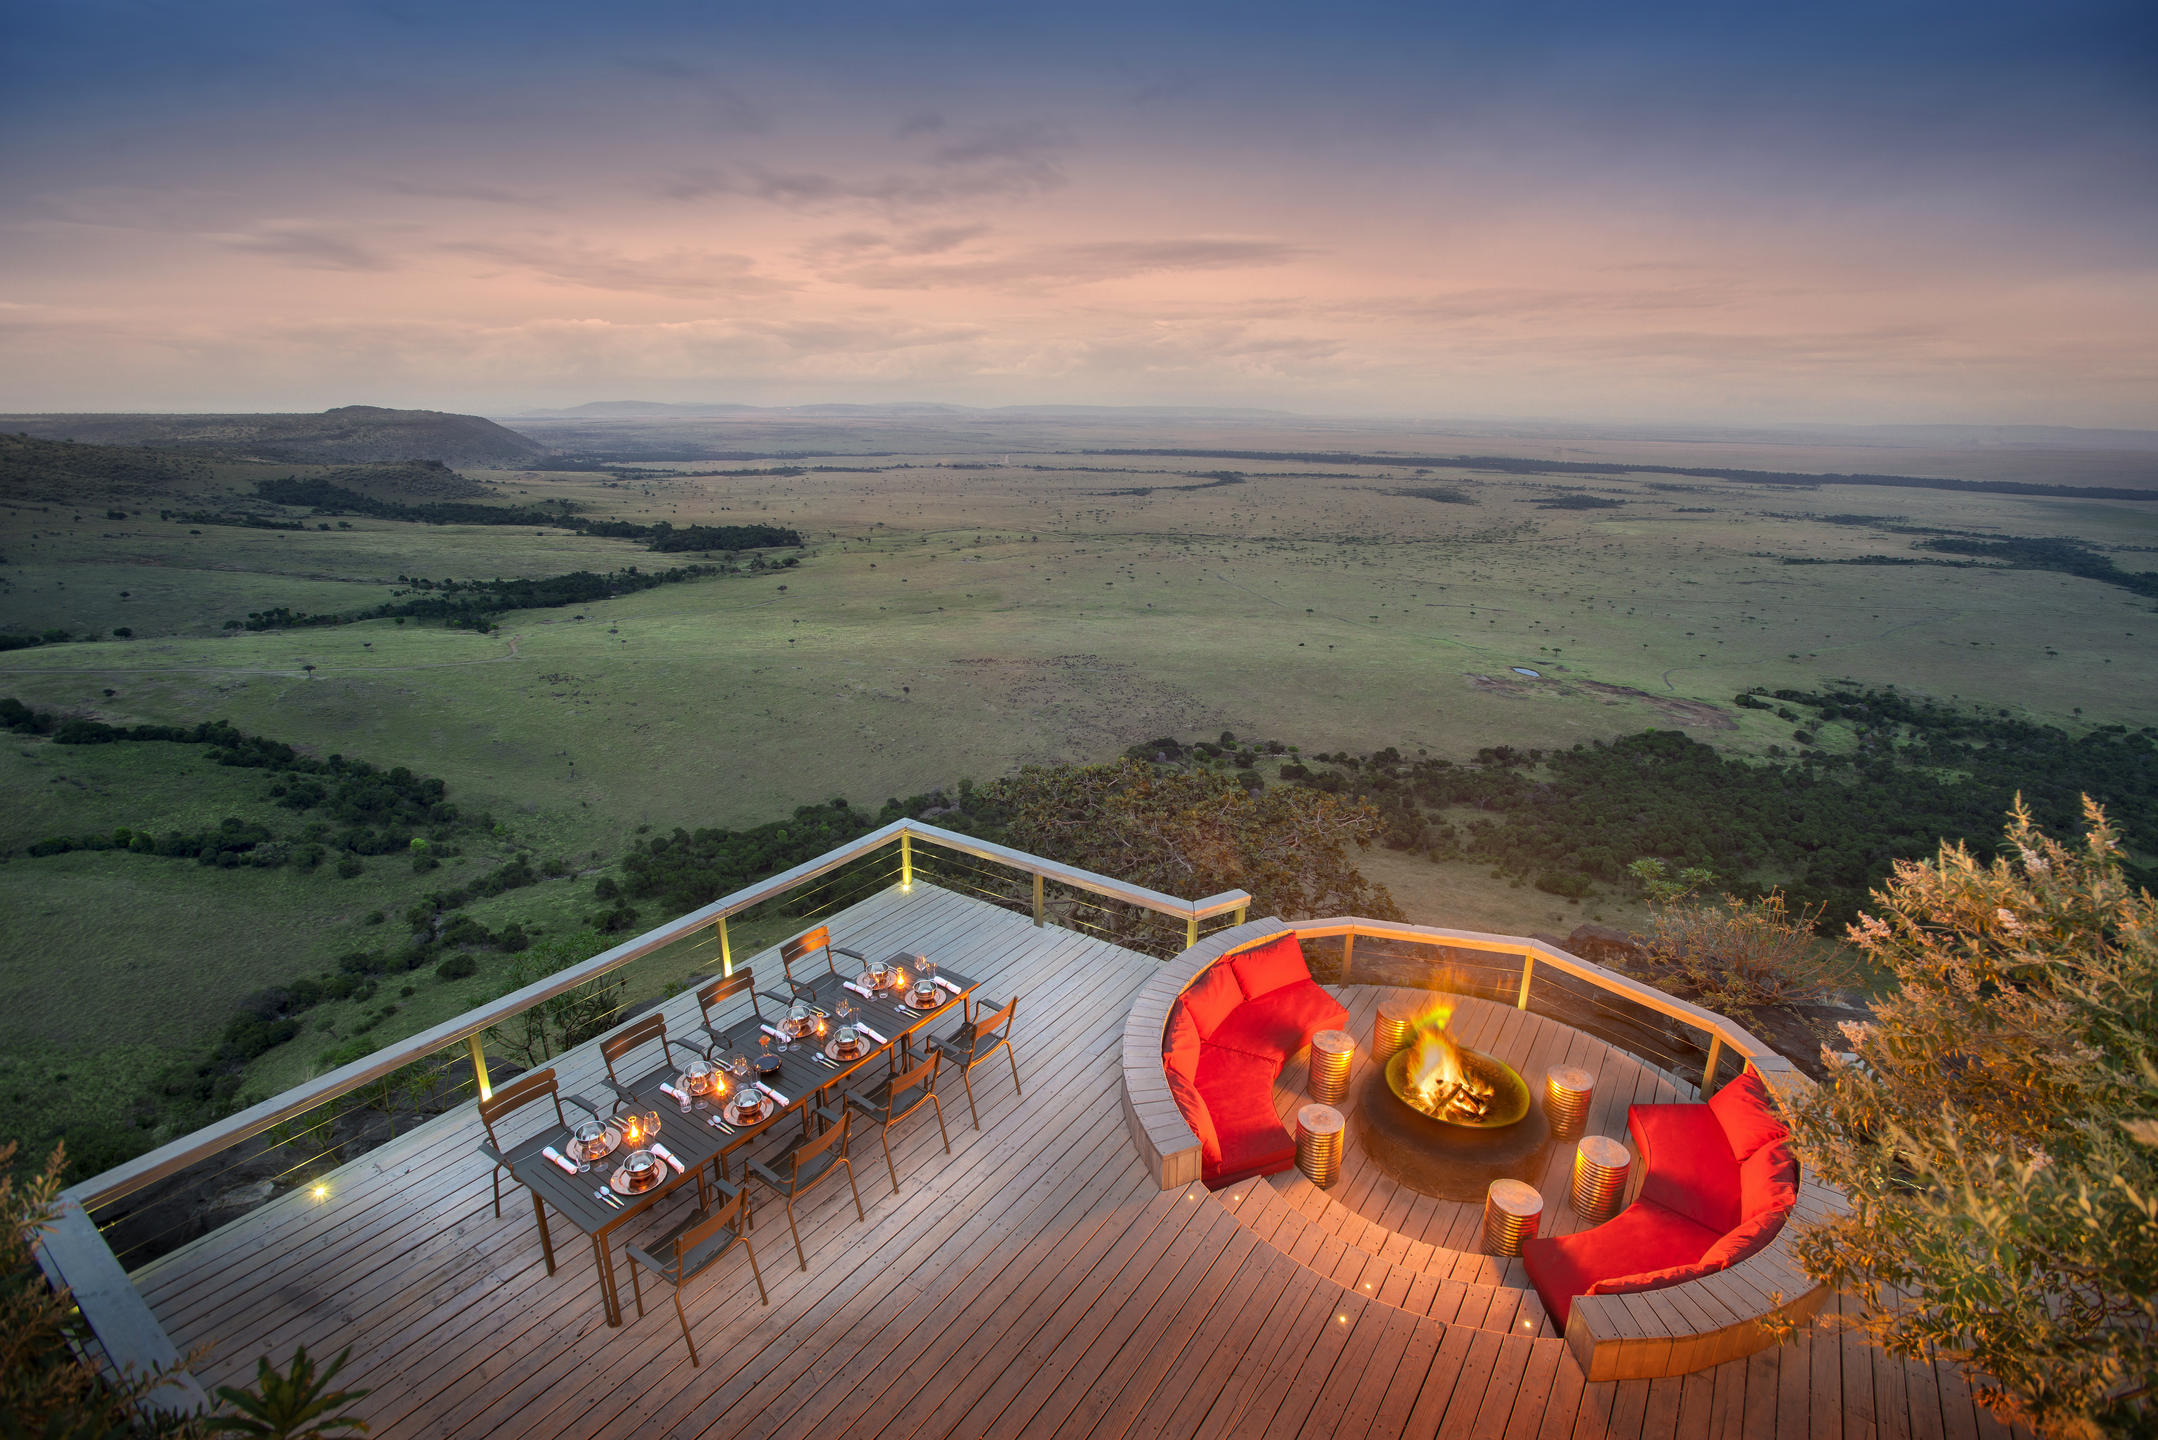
{"x":1654,"y":1279}
{"x":1238,"y":1091}
{"x":1687,"y":1163}
{"x":1193,"y":1107}
{"x":1748,"y":1116}
{"x":1265,"y":968}
{"x":1643,"y":1236}
{"x":1768,"y":1180}
{"x":1749,"y":1239}
{"x":1211,"y":998}
{"x":1180,"y":1043}
{"x":1281,"y":1022}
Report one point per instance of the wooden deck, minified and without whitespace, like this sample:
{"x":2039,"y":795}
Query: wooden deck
{"x":1034,"y":1282}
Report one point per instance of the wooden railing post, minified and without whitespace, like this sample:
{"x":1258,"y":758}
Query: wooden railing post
{"x":726,"y":951}
{"x":1242,"y":911}
{"x":1037,"y":899}
{"x":906,"y":862}
{"x":1528,"y":968}
{"x":1348,"y":953}
{"x":1191,"y":931}
{"x":479,"y":1065}
{"x":1708,"y":1071}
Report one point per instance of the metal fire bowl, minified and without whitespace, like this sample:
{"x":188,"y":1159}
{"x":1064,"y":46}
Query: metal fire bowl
{"x":1439,"y":1158}
{"x":1510,"y":1093}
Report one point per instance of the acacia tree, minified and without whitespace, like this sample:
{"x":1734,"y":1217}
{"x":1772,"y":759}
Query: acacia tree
{"x":1198,"y":833}
{"x":1996,"y":1130}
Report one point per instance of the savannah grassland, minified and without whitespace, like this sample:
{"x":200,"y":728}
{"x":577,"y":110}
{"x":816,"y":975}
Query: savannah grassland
{"x":955,"y":612}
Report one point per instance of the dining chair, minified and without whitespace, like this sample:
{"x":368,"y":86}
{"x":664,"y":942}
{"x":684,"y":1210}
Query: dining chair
{"x":691,"y":1247}
{"x":523,"y":1091}
{"x":809,"y":943}
{"x":806,"y":1162}
{"x":718,"y":993}
{"x":975,"y":1041}
{"x":624,"y":1041}
{"x":886,"y":1103}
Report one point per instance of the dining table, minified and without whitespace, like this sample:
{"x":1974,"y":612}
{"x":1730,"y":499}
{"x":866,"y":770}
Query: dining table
{"x":806,"y":1074}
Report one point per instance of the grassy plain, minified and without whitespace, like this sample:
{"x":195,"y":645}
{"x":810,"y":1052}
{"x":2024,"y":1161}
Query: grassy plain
{"x":953,"y":614}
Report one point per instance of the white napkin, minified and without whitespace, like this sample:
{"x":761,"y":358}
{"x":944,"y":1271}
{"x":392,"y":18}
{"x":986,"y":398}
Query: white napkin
{"x":857,"y":989}
{"x":667,"y":1155}
{"x":555,"y":1155}
{"x":774,"y":1033}
{"x":949,"y":985}
{"x":871,"y":1033}
{"x":673,"y":1094}
{"x":781,"y":1099}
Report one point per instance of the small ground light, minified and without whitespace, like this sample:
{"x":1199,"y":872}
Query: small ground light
{"x":320,"y":1192}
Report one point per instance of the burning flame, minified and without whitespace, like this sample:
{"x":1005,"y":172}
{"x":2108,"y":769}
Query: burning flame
{"x":1436,"y":1082}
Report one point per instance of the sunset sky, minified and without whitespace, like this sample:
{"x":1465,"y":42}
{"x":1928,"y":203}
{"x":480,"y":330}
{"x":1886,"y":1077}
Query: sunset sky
{"x":1716,"y":212}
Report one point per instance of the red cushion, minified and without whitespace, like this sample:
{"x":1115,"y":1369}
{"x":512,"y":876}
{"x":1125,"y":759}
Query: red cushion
{"x":1281,"y":1022}
{"x":1687,"y":1163}
{"x":1195,"y":1114}
{"x":1749,"y":1239}
{"x":1249,"y":1139}
{"x":1748,"y":1116}
{"x":1212,"y":997}
{"x":1655,"y":1279}
{"x":1643,"y":1236}
{"x":1266,"y":968}
{"x":1180,"y":1043}
{"x":1768,"y":1180}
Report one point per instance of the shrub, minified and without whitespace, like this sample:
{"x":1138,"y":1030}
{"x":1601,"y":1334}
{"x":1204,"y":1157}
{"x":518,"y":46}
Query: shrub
{"x":1997,"y":1131}
{"x":349,"y":867}
{"x":457,"y":967}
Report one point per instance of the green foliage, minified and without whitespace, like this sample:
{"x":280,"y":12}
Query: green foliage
{"x":1196,"y":833}
{"x":687,"y":869}
{"x":1660,"y":887}
{"x":546,"y":1029}
{"x":1997,"y":1130}
{"x":478,"y":604}
{"x":292,"y":1404}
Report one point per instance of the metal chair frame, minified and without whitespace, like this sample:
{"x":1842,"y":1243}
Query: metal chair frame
{"x":684,"y":1265}
{"x":884,"y":1116}
{"x":712,"y":996}
{"x":808,"y":943}
{"x":794,"y":1185}
{"x":628,"y":1038}
{"x":524,"y":1090}
{"x":970,"y":1045}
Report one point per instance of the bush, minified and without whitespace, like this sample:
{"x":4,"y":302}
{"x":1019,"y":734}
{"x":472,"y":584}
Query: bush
{"x":349,"y":867}
{"x":1997,"y":1131}
{"x":457,"y":967}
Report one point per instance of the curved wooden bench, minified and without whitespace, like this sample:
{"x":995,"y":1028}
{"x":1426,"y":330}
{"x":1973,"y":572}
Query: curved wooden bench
{"x":1646,"y":1335}
{"x":1158,"y":1129}
{"x":1725,"y":1316}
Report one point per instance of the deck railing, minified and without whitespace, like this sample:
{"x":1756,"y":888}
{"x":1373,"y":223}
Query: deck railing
{"x":1681,"y":1037}
{"x":700,"y":940}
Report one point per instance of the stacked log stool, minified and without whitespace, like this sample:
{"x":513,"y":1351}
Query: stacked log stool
{"x":1318,"y":1143}
{"x":1600,"y":1168}
{"x":1512,"y":1212}
{"x":1330,"y":1052}
{"x":1391,"y":1030}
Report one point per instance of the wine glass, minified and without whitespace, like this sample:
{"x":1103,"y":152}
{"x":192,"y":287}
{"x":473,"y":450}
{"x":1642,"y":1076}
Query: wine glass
{"x":738,"y":1062}
{"x":582,"y":1139}
{"x":844,"y":1009}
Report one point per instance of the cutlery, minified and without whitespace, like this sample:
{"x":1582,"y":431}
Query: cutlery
{"x":609,"y":1196}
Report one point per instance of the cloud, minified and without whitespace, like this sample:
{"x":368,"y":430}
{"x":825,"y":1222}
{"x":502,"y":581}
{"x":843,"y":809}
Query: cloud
{"x":921,"y":122}
{"x":316,"y":247}
{"x":1081,"y":264}
{"x":1024,"y":144}
{"x":485,"y":194}
{"x":721,"y":107}
{"x":700,"y":183}
{"x":681,"y":273}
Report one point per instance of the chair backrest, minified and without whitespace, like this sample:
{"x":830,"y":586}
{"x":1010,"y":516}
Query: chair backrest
{"x":924,"y":1075}
{"x":524,"y":1090}
{"x":808,"y":943}
{"x":810,"y":1150}
{"x":718,"y":1218}
{"x":629,"y":1037}
{"x":720,"y":991}
{"x":985,"y":1031}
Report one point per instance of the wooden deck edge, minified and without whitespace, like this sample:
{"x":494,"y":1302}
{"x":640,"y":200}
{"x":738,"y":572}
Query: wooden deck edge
{"x":1164,"y":1141}
{"x":75,"y":1257}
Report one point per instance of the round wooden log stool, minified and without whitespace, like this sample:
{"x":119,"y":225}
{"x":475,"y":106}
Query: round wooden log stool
{"x":1512,"y":1211}
{"x":1600,"y":1166}
{"x":1330,"y":1052}
{"x":1567,"y":1093}
{"x":1390,"y":1031}
{"x":1318,"y":1143}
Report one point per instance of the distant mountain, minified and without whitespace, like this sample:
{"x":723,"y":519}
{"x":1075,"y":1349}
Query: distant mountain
{"x":348,"y":435}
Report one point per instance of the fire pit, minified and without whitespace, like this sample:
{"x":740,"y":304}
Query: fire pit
{"x":1448,"y":1120}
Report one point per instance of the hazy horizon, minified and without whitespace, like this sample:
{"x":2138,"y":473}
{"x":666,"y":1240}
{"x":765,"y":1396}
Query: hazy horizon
{"x":1678,"y":215}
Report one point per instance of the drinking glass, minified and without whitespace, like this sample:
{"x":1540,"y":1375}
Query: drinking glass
{"x":845,"y":1008}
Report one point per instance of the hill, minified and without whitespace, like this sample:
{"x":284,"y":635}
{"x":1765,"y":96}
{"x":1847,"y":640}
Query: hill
{"x":56,"y":470}
{"x":348,"y":435}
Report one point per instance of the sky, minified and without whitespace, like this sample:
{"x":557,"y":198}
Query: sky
{"x":1713,"y":213}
